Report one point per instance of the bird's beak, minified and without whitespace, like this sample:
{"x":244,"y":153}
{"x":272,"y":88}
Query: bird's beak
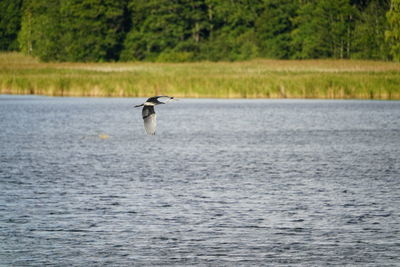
{"x":139,"y":105}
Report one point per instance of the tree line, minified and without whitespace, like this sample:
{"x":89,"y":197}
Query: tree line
{"x":192,"y":30}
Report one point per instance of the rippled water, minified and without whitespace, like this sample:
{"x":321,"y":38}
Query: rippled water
{"x":223,"y":183}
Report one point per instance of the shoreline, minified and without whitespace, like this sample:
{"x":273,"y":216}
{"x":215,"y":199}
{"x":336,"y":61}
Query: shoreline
{"x":269,"y":79}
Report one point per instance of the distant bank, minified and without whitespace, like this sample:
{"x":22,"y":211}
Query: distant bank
{"x":330,"y":79}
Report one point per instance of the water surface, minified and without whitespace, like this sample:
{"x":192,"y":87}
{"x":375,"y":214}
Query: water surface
{"x":223,"y":183}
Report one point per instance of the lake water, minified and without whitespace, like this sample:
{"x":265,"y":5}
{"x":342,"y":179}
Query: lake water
{"x":222,"y":183}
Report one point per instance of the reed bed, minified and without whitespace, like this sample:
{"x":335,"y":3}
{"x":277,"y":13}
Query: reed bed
{"x":330,"y":79}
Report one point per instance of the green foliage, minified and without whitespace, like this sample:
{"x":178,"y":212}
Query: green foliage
{"x":225,"y":47}
{"x":369,"y":36}
{"x":157,"y":26}
{"x":274,"y":27}
{"x":92,"y":29}
{"x":192,"y":30}
{"x":232,"y":35}
{"x":40,"y":29}
{"x":393,"y":34}
{"x":10,"y":16}
{"x":172,"y":56}
{"x":72,"y":30}
{"x":324,"y":29}
{"x":211,"y":30}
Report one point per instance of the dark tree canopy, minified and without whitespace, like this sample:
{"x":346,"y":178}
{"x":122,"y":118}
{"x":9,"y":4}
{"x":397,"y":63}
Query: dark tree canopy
{"x":190,"y":30}
{"x":10,"y":22}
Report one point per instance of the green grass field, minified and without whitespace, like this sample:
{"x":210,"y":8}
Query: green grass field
{"x":331,"y":79}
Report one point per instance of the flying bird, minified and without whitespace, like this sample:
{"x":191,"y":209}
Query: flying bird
{"x":148,"y":113}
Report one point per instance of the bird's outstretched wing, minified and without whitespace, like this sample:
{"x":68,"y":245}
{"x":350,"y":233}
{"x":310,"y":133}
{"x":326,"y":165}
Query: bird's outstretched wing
{"x":149,"y":118}
{"x":162,"y":98}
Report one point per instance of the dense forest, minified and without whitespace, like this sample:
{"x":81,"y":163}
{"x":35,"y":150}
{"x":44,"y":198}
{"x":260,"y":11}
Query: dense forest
{"x":192,"y":30}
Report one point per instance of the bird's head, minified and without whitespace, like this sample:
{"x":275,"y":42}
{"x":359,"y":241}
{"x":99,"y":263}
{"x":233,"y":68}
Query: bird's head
{"x":164,"y":100}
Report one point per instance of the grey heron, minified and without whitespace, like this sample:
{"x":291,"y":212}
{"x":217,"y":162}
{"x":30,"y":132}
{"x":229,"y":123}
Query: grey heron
{"x":148,"y":113}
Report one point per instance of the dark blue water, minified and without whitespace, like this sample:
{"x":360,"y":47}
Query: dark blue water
{"x":223,"y":183}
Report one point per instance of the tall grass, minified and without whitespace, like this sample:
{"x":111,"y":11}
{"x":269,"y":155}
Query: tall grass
{"x":342,"y":79}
